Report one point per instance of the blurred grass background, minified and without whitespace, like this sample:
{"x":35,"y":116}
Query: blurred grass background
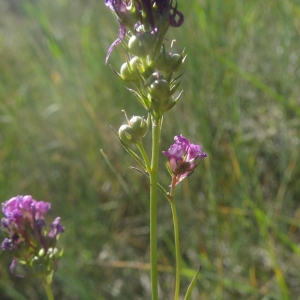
{"x":240,"y":211}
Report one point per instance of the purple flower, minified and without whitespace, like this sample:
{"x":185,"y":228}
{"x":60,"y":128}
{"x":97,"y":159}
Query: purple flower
{"x":183,"y":157}
{"x":179,"y":149}
{"x":41,"y":209}
{"x":11,"y":244}
{"x":25,"y":224}
{"x":143,"y":15}
{"x":156,"y":10}
{"x":12,"y":267}
{"x":56,"y":228}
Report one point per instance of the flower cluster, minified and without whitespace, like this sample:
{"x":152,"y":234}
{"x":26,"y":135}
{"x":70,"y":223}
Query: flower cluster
{"x":32,"y":242}
{"x":183,"y":156}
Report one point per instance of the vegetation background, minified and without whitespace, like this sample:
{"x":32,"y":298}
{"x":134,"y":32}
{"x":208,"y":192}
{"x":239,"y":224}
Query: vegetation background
{"x":239,"y":212}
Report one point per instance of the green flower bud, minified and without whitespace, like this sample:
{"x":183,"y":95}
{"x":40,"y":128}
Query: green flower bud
{"x":134,"y":131}
{"x":160,"y":90}
{"x":41,"y":252}
{"x":141,"y":45}
{"x":52,"y":252}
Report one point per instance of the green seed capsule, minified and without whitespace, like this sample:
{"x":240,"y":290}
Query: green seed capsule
{"x":175,"y":62}
{"x":141,"y":45}
{"x":127,"y":73}
{"x":168,"y":63}
{"x":161,"y":61}
{"x":154,"y":76}
{"x":134,"y":131}
{"x":160,"y":90}
{"x":130,"y":72}
{"x":125,"y":135}
{"x":139,"y":125}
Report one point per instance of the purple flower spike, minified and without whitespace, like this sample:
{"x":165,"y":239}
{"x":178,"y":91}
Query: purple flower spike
{"x":27,"y":231}
{"x":183,"y":157}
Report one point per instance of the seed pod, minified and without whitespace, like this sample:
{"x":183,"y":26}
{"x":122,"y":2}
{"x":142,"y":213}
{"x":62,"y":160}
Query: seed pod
{"x":168,"y":63}
{"x":139,"y":125}
{"x":160,"y":90}
{"x":175,"y":62}
{"x":154,"y":76}
{"x":142,"y":44}
{"x":134,"y":131}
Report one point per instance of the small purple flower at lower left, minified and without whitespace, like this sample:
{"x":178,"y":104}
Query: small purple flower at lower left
{"x":29,"y":238}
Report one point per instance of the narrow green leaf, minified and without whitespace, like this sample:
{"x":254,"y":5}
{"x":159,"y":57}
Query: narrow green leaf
{"x":192,"y":285}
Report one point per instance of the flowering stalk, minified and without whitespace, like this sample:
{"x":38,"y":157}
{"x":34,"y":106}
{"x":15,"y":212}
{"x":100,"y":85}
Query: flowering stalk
{"x":151,"y":68}
{"x":182,"y":162}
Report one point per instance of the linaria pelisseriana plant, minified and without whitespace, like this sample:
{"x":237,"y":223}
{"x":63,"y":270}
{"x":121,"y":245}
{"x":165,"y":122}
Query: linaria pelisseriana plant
{"x":155,"y":74}
{"x":31,"y":241}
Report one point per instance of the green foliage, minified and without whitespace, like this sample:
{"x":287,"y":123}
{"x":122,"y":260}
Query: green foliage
{"x":239,"y":213}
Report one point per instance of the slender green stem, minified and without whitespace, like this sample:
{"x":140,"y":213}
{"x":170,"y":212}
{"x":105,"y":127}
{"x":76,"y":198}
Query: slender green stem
{"x":153,"y":205}
{"x":176,"y":237}
{"x":144,"y":155}
{"x":48,"y":290}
